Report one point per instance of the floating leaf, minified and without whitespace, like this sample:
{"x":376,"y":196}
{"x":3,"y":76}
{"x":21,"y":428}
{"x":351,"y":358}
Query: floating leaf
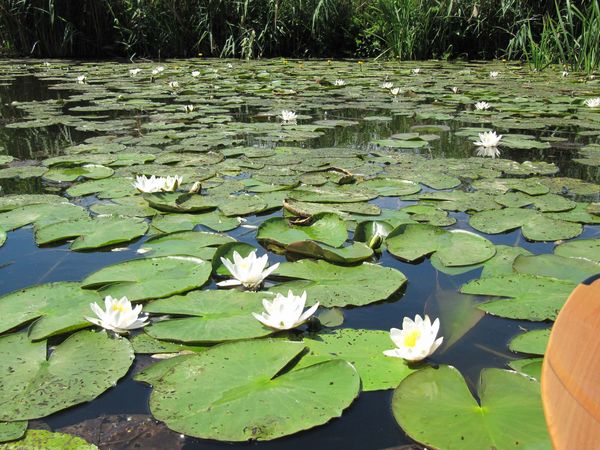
{"x":453,"y":248}
{"x":329,"y":284}
{"x":356,"y":252}
{"x":364,"y":349}
{"x":44,"y":440}
{"x":208,"y":396}
{"x":92,"y":233}
{"x":533,"y":342}
{"x":327,"y":228}
{"x":199,"y":244}
{"x":10,"y":431}
{"x":222,"y":315}
{"x":583,"y":248}
{"x":531,"y":297}
{"x":436,"y":408}
{"x":572,"y":269}
{"x":148,"y":278}
{"x":33,"y":387}
{"x":58,"y":307}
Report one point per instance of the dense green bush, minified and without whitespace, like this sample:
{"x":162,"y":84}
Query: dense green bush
{"x":540,"y":31}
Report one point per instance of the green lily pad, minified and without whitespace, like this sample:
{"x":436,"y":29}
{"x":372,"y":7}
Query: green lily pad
{"x":170,"y":223}
{"x":436,"y":408}
{"x":57,"y":308}
{"x":92,"y":233}
{"x":588,"y":249}
{"x":10,"y":431}
{"x":541,"y":228}
{"x":500,"y":264}
{"x":34,"y":386}
{"x":572,"y":269}
{"x":41,"y":215}
{"x":45,"y":440}
{"x":533,"y":342}
{"x":364,"y":349}
{"x":531,"y":367}
{"x":327,"y":228}
{"x":501,"y":220}
{"x":529,"y":297}
{"x":199,"y":244}
{"x":144,"y":343}
{"x":329,"y":284}
{"x":353,"y":253}
{"x":92,"y":171}
{"x":216,"y":316}
{"x":207,"y":396}
{"x":149,"y":278}
{"x":386,"y":187}
{"x":453,"y":248}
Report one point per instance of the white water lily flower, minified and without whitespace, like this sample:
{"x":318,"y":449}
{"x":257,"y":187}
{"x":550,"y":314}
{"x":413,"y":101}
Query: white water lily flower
{"x":288,"y":116}
{"x":416,"y":71}
{"x":565,"y":73}
{"x":395,"y":91}
{"x":593,"y":102}
{"x":157,"y":70}
{"x":173,"y":84}
{"x":134,"y":72}
{"x":339,"y":82}
{"x":229,"y":66}
{"x":416,"y":340}
{"x":488,"y":139}
{"x":285,"y":313}
{"x":494,"y":74}
{"x":482,"y":106}
{"x":118,"y":315}
{"x":81,"y":79}
{"x":196,"y":73}
{"x":454,"y":89}
{"x":387,"y":85}
{"x":248,"y":272}
{"x":492,"y":152}
{"x":148,"y":185}
{"x":171,"y":183}
{"x":188,"y":108}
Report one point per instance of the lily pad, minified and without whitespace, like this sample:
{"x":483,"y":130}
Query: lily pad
{"x":207,"y":396}
{"x":10,"y":431}
{"x":327,"y":228}
{"x":453,"y":248}
{"x":34,"y":386}
{"x":57,"y":308}
{"x":149,"y":278}
{"x":572,"y":269}
{"x":329,"y":284}
{"x":353,"y":253}
{"x":216,"y":316}
{"x":529,"y":297}
{"x":435,"y":407}
{"x":199,"y":244}
{"x":92,"y":233}
{"x":583,"y":248}
{"x":533,"y":342}
{"x":364,"y":349}
{"x":44,"y":440}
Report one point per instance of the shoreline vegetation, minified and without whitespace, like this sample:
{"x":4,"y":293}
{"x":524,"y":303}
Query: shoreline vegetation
{"x":541,"y":32}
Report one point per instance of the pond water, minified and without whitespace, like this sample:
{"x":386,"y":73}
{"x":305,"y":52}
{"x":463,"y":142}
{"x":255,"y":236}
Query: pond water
{"x":549,"y":165}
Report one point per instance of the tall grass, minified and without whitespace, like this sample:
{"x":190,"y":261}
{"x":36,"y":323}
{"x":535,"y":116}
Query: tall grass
{"x":542,"y":32}
{"x":568,"y":34}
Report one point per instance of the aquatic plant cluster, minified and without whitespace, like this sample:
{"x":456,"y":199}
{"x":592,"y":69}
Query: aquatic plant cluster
{"x":244,"y":235}
{"x":540,"y":31}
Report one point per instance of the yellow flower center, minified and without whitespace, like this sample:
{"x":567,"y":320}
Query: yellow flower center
{"x":410,"y":339}
{"x":118,"y":308}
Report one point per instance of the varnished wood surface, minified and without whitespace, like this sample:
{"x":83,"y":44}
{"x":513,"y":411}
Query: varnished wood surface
{"x":571,"y":372}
